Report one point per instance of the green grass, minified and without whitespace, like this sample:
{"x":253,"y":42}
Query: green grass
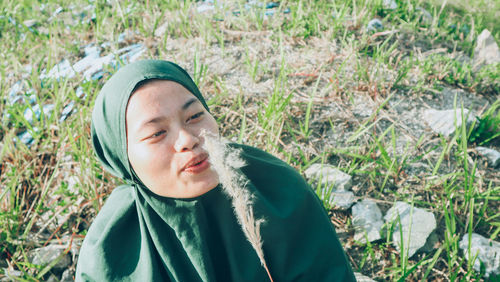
{"x":286,"y":83}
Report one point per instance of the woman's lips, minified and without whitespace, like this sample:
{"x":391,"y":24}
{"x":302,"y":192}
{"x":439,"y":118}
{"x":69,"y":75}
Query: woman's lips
{"x":198,"y":167}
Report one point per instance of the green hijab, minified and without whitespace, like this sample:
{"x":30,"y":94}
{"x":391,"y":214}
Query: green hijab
{"x":141,"y":236}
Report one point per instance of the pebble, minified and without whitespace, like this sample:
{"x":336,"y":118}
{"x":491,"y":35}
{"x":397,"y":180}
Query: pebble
{"x":362,"y":278}
{"x":493,"y":156}
{"x":67,"y":276}
{"x":334,"y":185}
{"x":47,"y":254}
{"x":390,"y":4}
{"x":443,"y":122}
{"x":367,"y":221}
{"x":374,"y":25}
{"x":342,"y":199}
{"x":30,"y":114}
{"x":11,"y":275}
{"x":487,"y":251}
{"x":328,"y":175}
{"x":486,"y":51}
{"x":416,"y":225}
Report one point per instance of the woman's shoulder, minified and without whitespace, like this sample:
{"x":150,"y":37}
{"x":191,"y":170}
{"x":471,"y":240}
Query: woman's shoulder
{"x":114,"y":227}
{"x":117,"y":208}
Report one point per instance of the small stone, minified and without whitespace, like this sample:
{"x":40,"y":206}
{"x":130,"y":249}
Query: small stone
{"x":11,"y":274}
{"x":374,"y":25}
{"x":390,"y":4}
{"x":443,"y":122}
{"x":35,"y":112}
{"x":367,"y":221}
{"x":486,"y":51}
{"x":362,"y":278}
{"x":328,"y":175}
{"x":342,"y":199}
{"x":416,"y":224}
{"x":67,"y":276}
{"x":52,"y":278}
{"x":30,"y":23}
{"x":491,"y":155}
{"x":487,"y":251}
{"x":46,"y":255}
{"x":61,"y":70}
{"x":160,"y":31}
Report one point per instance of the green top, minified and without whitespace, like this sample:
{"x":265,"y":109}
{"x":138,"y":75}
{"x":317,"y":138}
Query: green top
{"x":141,"y":236}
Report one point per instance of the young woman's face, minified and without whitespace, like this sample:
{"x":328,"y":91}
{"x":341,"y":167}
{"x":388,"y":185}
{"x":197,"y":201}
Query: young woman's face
{"x":164,"y":121}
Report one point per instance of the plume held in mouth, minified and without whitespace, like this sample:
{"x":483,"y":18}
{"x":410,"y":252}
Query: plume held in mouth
{"x":226,"y":161}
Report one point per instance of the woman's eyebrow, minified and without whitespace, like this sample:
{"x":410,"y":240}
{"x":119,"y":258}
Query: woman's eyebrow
{"x":189,"y":103}
{"x":159,"y":119}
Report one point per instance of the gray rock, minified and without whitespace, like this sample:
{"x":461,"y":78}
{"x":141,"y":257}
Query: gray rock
{"x":493,"y":156}
{"x":52,"y":278}
{"x":443,"y":122}
{"x":415,"y":223}
{"x":334,"y":185}
{"x":30,"y":23}
{"x":374,"y":25}
{"x":367,"y":221}
{"x":487,"y":251}
{"x":329,"y":176}
{"x":30,"y":114}
{"x":486,"y":51}
{"x":362,"y":278}
{"x":61,"y":70}
{"x":46,"y":255}
{"x":390,"y":4}
{"x":11,"y":274}
{"x":67,"y":276}
{"x":342,"y":199}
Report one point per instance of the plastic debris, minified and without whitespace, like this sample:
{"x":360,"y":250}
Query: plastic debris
{"x":270,"y":8}
{"x":30,"y":23}
{"x":390,"y":4}
{"x":35,"y":112}
{"x":16,"y":94}
{"x":91,"y":66}
{"x":26,"y":137}
{"x":79,"y":93}
{"x":374,"y":25}
{"x":67,"y":111}
{"x":61,"y":70}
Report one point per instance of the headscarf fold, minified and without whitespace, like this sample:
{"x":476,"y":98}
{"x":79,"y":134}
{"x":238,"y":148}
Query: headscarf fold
{"x":141,"y":236}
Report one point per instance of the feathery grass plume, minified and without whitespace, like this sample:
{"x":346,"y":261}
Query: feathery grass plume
{"x":226,"y":161}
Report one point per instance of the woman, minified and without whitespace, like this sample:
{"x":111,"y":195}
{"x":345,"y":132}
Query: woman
{"x":172,"y":220}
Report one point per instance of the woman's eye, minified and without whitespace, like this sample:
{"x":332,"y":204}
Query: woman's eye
{"x":195,"y":116}
{"x":157,"y":134}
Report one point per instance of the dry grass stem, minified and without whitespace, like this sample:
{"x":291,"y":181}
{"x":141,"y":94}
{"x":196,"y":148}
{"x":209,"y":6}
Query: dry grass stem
{"x":227,"y":161}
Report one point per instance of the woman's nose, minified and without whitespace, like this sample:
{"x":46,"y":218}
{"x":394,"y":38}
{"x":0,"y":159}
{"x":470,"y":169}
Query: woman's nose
{"x":186,"y":141}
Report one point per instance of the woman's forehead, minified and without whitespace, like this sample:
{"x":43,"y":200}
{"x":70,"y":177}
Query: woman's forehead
{"x":159,"y":98}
